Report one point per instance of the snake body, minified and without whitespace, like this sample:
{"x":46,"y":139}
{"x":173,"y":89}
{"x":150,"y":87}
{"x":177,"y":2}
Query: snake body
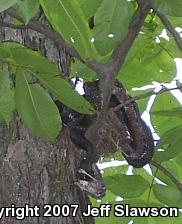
{"x":137,"y":141}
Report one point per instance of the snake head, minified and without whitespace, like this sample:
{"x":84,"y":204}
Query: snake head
{"x":92,"y":185}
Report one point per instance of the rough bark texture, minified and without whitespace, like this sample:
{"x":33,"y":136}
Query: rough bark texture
{"x":33,"y":171}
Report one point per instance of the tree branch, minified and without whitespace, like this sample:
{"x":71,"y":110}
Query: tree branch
{"x":169,"y":27}
{"x":145,"y":95}
{"x":167,"y":173}
{"x":46,"y":31}
{"x":56,"y":38}
{"x":119,"y":55}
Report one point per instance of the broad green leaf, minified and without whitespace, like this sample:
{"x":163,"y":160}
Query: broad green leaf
{"x":148,"y":196}
{"x":89,"y":7}
{"x":143,"y":173}
{"x":137,"y":202}
{"x":172,"y":167}
{"x":170,"y":142}
{"x":6,"y":4}
{"x":111,"y":24}
{"x":166,"y":220}
{"x":164,"y":102}
{"x":144,"y":69}
{"x":112,"y":171}
{"x":170,"y":46}
{"x":36,"y":108}
{"x":168,"y":127}
{"x":171,"y":8}
{"x":27,"y":9}
{"x":80,"y":70}
{"x":176,"y":21}
{"x":48,"y":74}
{"x":126,"y":186}
{"x":168,"y":195}
{"x":7,"y":104}
{"x":68,"y":20}
{"x":174,"y":112}
{"x":177,"y":160}
{"x":4,"y":54}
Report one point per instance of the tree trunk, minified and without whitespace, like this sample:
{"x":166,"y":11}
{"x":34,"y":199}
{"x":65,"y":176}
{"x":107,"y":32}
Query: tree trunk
{"x":33,"y":171}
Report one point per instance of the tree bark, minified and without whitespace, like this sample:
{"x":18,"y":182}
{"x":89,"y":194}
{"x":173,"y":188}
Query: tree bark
{"x":33,"y":171}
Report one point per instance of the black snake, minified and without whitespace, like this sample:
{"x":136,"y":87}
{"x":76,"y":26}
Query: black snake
{"x":137,"y":141}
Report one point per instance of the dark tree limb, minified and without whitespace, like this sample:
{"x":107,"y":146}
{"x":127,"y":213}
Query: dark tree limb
{"x":135,"y":25}
{"x":119,"y":55}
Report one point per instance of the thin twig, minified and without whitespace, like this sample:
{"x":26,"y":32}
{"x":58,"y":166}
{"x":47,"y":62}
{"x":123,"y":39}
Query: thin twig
{"x":169,"y":27}
{"x":151,"y":185}
{"x":167,"y":173}
{"x":145,"y":95}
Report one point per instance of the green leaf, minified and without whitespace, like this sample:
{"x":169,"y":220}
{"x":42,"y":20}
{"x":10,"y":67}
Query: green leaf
{"x":48,"y":74}
{"x":27,"y":9}
{"x":171,"y":144}
{"x":172,"y":167}
{"x":174,"y":112}
{"x":36,"y":108}
{"x":176,"y":21}
{"x":126,"y":186}
{"x":113,"y":171}
{"x":111,"y":24}
{"x":144,"y":69}
{"x":178,"y":159}
{"x":7,"y":104}
{"x":168,"y":127}
{"x":6,"y":4}
{"x":80,"y":70}
{"x":170,"y":46}
{"x":165,"y":102}
{"x":68,"y":20}
{"x":168,"y":195}
{"x":89,"y":7}
{"x":166,"y":220}
{"x":171,"y":8}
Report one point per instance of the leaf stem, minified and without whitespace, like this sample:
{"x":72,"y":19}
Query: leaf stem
{"x":151,"y":185}
{"x":167,"y":173}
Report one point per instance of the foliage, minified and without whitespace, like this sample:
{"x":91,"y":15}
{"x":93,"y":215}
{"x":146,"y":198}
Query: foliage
{"x":27,"y":79}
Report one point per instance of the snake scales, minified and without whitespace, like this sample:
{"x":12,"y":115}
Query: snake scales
{"x":124,"y":127}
